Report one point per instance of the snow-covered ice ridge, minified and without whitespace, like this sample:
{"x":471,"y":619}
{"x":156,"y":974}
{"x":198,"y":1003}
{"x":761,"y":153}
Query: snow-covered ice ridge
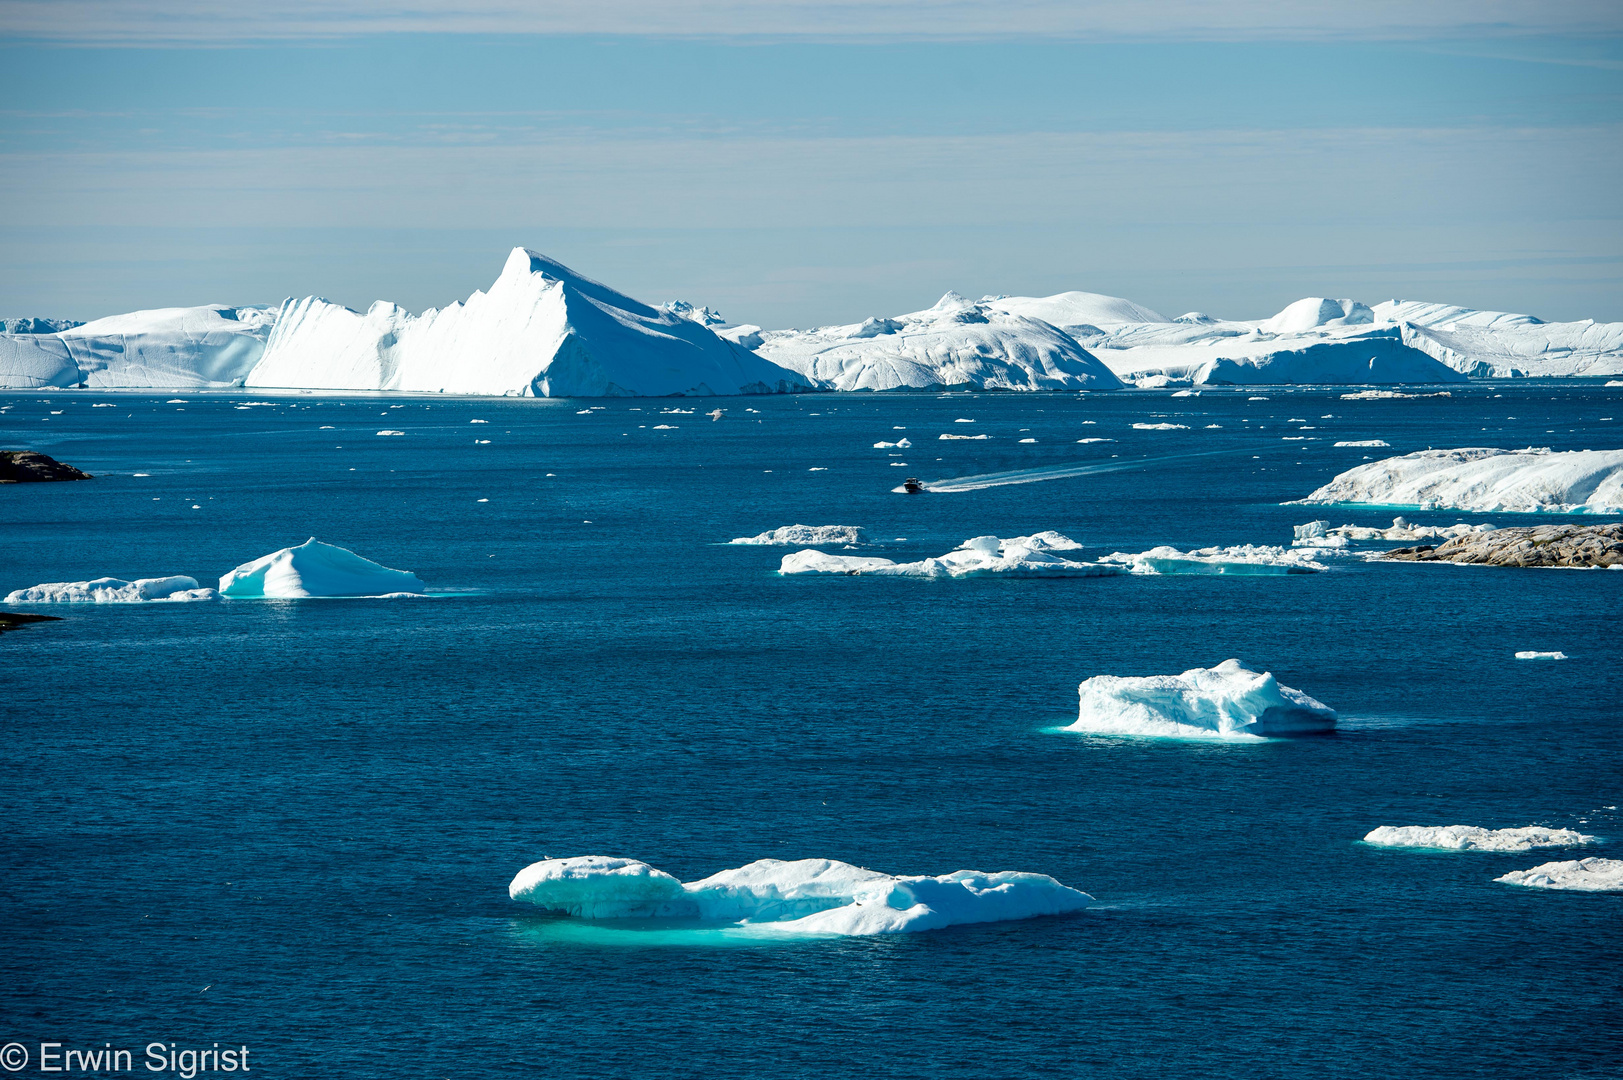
{"x":956,"y":343}
{"x":1582,"y":875}
{"x":1019,"y":556}
{"x":109,"y":590}
{"x":542,"y":330}
{"x":805,"y":534}
{"x":804,"y":896}
{"x":1254,"y":559}
{"x":1484,"y":479}
{"x":1326,"y":341}
{"x":1475,"y":838}
{"x":1226,"y":701}
{"x":315,"y":569}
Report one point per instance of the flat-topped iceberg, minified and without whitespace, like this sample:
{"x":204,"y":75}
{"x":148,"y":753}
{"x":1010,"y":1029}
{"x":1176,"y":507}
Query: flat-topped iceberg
{"x":109,"y":590}
{"x":316,"y":569}
{"x":804,"y":896}
{"x":1021,"y":556}
{"x":1484,"y":479}
{"x":1582,"y":875}
{"x":1474,"y":838}
{"x":1226,"y":701}
{"x":212,"y":346}
{"x":1502,"y":345}
{"x":956,"y":343}
{"x":542,"y":330}
{"x":1252,"y":559}
{"x":805,"y":534}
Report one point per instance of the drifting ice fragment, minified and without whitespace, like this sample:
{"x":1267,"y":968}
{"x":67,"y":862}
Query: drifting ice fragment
{"x":1473,"y":838}
{"x":1541,"y":656}
{"x":1021,"y":556}
{"x":1227,"y":701}
{"x":1584,"y":875}
{"x":107,"y":590}
{"x":1247,"y":559}
{"x":806,"y":896}
{"x":316,"y":569}
{"x":806,"y":534}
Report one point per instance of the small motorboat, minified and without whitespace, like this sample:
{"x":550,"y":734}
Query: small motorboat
{"x":912,"y":486}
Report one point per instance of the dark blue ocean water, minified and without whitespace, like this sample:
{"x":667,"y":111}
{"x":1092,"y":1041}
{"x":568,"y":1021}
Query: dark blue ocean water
{"x":291,"y":824}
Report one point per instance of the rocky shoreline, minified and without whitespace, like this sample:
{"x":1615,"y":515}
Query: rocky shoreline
{"x":1573,"y":546}
{"x":27,"y":466}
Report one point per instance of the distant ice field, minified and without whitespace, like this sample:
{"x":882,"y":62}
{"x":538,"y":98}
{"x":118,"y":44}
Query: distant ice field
{"x":315,"y":809}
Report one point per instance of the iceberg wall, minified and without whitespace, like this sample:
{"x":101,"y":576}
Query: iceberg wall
{"x":208,"y":347}
{"x":542,"y":330}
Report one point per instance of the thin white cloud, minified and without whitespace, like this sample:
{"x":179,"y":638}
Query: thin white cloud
{"x":214,"y":22}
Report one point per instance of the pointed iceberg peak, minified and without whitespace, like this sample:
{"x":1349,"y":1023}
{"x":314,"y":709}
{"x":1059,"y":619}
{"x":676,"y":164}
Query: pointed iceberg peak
{"x":953,"y":301}
{"x":524,"y":263}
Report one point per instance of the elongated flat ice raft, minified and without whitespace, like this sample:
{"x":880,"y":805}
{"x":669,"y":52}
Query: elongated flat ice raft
{"x":804,"y":896}
{"x":1226,"y":701}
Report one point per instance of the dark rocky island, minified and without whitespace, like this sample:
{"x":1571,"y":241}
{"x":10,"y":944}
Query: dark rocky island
{"x":1538,"y":545}
{"x":26,"y":466}
{"x":10,"y":620}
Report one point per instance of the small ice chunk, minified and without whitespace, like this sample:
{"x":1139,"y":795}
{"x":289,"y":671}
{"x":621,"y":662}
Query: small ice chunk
{"x":316,"y":569}
{"x":1022,"y":556}
{"x":109,"y":590}
{"x":1364,"y":442}
{"x":1263,"y":559}
{"x":390,"y":432}
{"x":1226,"y":701}
{"x":806,"y":534}
{"x":478,"y":421}
{"x":1160,"y":427}
{"x":1584,"y":875}
{"x":1475,"y":838}
{"x":945,"y":437}
{"x":1541,"y":656}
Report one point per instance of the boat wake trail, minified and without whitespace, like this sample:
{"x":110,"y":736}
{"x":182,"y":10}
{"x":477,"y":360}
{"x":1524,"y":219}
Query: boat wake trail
{"x":1058,"y":472}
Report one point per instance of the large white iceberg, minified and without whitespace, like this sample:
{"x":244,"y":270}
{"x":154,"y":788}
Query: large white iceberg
{"x":108,"y":590}
{"x":212,"y":346}
{"x":805,"y":534}
{"x":956,"y":343}
{"x":1485,"y":479}
{"x":1227,"y":701}
{"x":541,"y":331}
{"x":1474,"y":838}
{"x":1020,"y":556}
{"x":1582,"y":875}
{"x":805,"y":896}
{"x":316,"y":569}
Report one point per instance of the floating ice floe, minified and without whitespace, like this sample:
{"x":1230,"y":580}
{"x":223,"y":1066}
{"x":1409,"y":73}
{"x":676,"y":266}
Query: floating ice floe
{"x":805,"y":896}
{"x":1582,"y":875}
{"x":899,"y":444}
{"x":1160,"y":427}
{"x":1363,"y":442}
{"x":1021,"y":556}
{"x":387,"y":431}
{"x":1474,"y":838}
{"x":1226,"y":701}
{"x":957,"y":343}
{"x":109,"y":590}
{"x":1484,"y":479}
{"x":945,"y":438}
{"x":316,"y":569}
{"x":1320,"y":534}
{"x":1388,"y":395}
{"x":1254,"y":559}
{"x":1530,"y":655}
{"x":806,"y":534}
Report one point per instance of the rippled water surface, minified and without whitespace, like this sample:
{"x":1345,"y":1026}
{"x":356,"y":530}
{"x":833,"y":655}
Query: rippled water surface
{"x":291,"y":824}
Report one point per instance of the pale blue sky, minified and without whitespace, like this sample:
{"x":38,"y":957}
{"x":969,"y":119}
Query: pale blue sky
{"x":801,"y":173}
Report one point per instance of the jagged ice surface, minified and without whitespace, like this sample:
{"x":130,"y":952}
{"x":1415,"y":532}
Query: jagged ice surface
{"x":110,"y":590}
{"x":1020,"y":556}
{"x":1486,"y":479}
{"x":1227,"y":701}
{"x":1581,"y":875}
{"x":1474,"y":838}
{"x":805,"y":896}
{"x":805,"y":534}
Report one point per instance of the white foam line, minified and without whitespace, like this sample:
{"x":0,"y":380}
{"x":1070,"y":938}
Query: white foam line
{"x":1058,"y":472}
